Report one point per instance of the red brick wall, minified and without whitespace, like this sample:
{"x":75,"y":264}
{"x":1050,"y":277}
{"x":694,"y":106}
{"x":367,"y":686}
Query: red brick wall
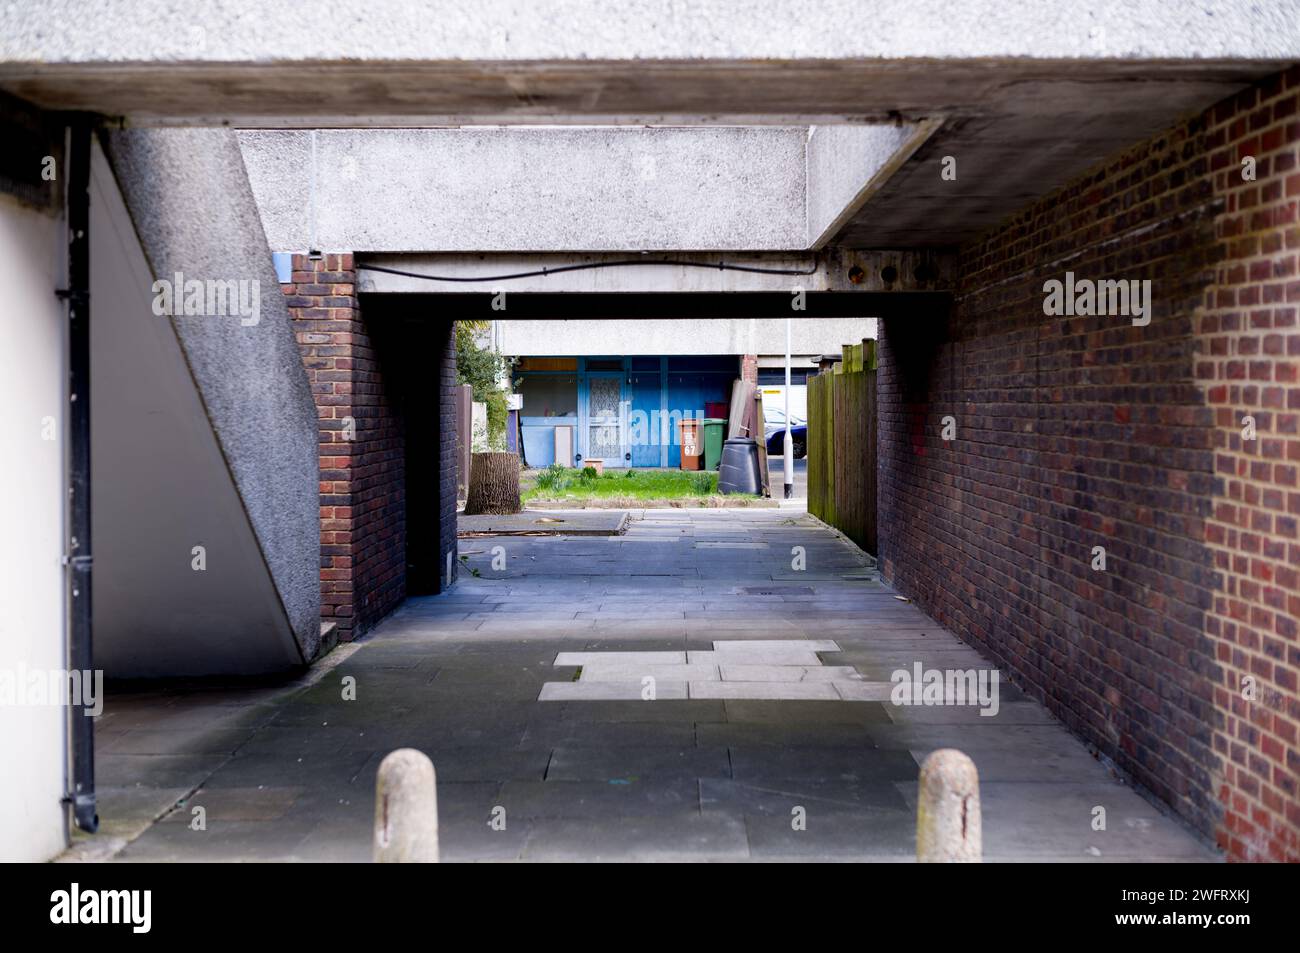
{"x":363,"y":547}
{"x":1075,"y":432}
{"x":1247,"y":366}
{"x":449,"y":451}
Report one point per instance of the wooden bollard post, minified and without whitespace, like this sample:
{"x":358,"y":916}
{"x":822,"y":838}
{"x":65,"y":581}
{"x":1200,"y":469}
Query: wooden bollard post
{"x":948,"y":810}
{"x":406,"y":809}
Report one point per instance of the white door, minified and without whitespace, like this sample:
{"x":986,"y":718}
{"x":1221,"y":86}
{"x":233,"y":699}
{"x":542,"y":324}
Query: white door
{"x":606,"y":420}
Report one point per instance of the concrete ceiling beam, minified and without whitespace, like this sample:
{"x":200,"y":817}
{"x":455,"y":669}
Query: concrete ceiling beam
{"x":832,"y":269}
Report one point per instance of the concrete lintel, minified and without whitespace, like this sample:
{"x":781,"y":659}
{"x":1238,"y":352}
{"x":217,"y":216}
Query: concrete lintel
{"x":685,"y":307}
{"x":831,"y":269}
{"x":836,"y":159}
{"x":243,"y":62}
{"x":531,"y":189}
{"x":694,"y":272}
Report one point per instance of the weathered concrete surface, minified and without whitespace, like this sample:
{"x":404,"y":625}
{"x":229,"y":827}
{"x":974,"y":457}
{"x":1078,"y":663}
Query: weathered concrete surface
{"x":181,"y":585}
{"x":406,"y":809}
{"x":679,"y":272}
{"x":1030,"y":93}
{"x":836,"y":158}
{"x":458,"y":677}
{"x":505,"y":31}
{"x":193,"y":213}
{"x":545,"y":522}
{"x":555,"y":189}
{"x":948,"y":809}
{"x":525,"y":189}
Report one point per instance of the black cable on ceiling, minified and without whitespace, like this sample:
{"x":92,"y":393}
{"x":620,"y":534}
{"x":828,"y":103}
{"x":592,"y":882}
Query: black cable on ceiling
{"x":590,"y":266}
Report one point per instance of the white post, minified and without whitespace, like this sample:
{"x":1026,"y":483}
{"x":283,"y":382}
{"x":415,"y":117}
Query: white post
{"x":948,"y":829}
{"x":789,"y":440}
{"x":406,"y":809}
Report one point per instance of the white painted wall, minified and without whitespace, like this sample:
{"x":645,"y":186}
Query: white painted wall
{"x":32,"y":368}
{"x":162,"y":486}
{"x":761,"y":336}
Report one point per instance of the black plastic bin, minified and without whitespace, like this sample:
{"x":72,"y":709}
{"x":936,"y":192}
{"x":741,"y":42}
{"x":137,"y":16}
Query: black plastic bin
{"x":738,"y":472}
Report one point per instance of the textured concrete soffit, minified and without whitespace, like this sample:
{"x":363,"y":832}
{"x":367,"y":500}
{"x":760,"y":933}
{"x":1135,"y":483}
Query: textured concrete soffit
{"x":188,"y":196}
{"x":768,"y":188}
{"x":244,"y":31}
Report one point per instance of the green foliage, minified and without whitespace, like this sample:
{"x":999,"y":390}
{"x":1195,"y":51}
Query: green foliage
{"x":483,"y":370}
{"x":551,"y":478}
{"x":498,"y":413}
{"x":703,"y":482}
{"x":557,"y":482}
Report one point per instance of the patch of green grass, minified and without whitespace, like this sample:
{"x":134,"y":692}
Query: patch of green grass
{"x":565,"y":483}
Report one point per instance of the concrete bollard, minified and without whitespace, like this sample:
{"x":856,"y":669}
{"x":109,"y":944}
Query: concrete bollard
{"x":406,"y":809}
{"x":948,"y":810}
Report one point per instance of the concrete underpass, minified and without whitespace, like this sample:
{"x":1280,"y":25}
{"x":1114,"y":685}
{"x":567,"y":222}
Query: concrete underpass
{"x":1097,"y":504}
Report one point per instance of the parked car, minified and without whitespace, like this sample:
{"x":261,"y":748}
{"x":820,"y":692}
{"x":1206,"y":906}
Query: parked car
{"x":774,"y":431}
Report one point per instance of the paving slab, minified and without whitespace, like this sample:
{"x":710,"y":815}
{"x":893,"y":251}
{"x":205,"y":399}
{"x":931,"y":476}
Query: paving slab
{"x":544,"y":522}
{"x":798,"y":715}
{"x":788,"y":673}
{"x":632,"y":762}
{"x":610,"y":690}
{"x":656,"y":839}
{"x":792,"y":691}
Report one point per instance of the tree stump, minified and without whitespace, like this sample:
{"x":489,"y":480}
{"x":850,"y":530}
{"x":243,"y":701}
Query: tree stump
{"x":493,"y":484}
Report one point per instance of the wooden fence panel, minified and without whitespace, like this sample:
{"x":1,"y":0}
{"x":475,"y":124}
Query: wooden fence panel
{"x":842,"y":446}
{"x":814,"y":441}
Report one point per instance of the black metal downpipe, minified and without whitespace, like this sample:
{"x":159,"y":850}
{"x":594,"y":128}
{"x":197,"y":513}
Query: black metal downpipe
{"x":80,"y":656}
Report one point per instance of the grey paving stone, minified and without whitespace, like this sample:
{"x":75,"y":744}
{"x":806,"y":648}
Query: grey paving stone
{"x":787,"y":691}
{"x":156,"y":771}
{"x":261,"y":803}
{"x":628,"y":657}
{"x":189,"y":741}
{"x":611,"y":670}
{"x":127,"y":811}
{"x":477,"y":763}
{"x":476,"y":841}
{"x":616,"y":798}
{"x":811,"y":712}
{"x":302,"y":772}
{"x":860,"y":835}
{"x":676,"y":734}
{"x":598,"y":690}
{"x":778,"y":799}
{"x":807,"y":735}
{"x":668,"y":710}
{"x":840,"y":763}
{"x":1008,"y":713}
{"x":222,"y":841}
{"x":1041,"y":821}
{"x":585,"y":763}
{"x":789,"y":673}
{"x":291,"y":769}
{"x":656,"y":838}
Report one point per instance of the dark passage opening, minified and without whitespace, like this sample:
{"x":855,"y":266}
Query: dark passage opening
{"x":404,"y":472}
